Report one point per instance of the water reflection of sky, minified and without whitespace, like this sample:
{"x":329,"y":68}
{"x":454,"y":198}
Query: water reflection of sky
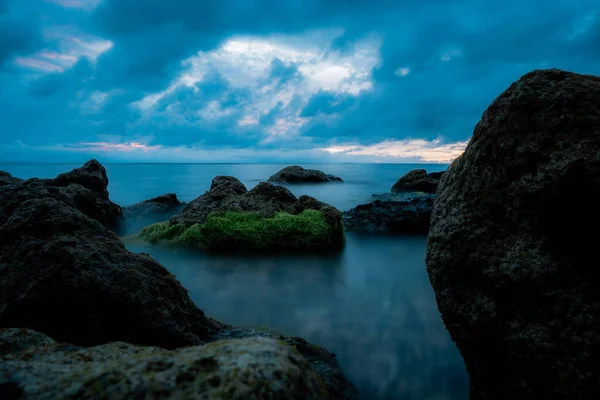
{"x":372,"y":305}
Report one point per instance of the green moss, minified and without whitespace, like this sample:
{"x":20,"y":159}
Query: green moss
{"x":162,"y":231}
{"x":249,"y":231}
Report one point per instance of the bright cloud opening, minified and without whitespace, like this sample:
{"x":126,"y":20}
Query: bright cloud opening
{"x":428,"y":151}
{"x":246,"y":62}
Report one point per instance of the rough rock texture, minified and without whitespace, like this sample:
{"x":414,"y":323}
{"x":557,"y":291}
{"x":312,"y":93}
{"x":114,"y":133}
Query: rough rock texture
{"x":226,"y":193}
{"x":418,"y":180}
{"x":251,"y":368}
{"x":512,"y":251}
{"x":147,"y":212}
{"x":297,"y":174}
{"x":391,"y":214}
{"x":68,"y":276}
{"x":83,"y":188}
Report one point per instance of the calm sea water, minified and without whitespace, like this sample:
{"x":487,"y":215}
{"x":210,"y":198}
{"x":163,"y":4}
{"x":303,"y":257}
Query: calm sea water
{"x":372,"y":304}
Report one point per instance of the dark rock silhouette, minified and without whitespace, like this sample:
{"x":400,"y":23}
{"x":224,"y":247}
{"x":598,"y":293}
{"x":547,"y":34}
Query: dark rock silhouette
{"x":511,"y":253}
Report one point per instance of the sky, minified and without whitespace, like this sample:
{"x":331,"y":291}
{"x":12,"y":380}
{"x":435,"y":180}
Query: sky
{"x":393,"y":81}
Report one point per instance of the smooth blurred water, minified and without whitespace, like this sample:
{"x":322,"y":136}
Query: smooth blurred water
{"x":372,"y":304}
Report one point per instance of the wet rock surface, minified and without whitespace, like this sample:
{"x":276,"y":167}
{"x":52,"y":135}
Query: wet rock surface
{"x":418,"y":180}
{"x":510,"y":253}
{"x":389,"y":213}
{"x":66,"y":275}
{"x":250,"y":368}
{"x":298,"y":174}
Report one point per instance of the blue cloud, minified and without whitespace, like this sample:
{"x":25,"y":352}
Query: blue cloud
{"x":159,"y":73}
{"x":326,"y":103}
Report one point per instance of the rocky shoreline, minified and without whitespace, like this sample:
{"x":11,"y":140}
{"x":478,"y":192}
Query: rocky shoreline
{"x":66,"y":275}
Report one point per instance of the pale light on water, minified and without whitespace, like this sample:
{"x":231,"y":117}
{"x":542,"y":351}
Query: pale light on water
{"x":372,"y":304}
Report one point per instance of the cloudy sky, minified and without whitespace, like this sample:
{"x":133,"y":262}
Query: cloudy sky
{"x":270,"y":80}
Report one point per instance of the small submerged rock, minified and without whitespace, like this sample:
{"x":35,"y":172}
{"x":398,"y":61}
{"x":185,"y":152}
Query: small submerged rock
{"x":249,"y":368}
{"x":406,"y":210}
{"x":389,"y":213}
{"x":297,"y":174}
{"x":267,"y":218}
{"x":418,"y":180}
{"x":156,"y":209}
{"x":512,"y":251}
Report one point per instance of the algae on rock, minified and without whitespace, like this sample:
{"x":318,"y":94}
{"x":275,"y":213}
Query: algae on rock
{"x":267,"y":218}
{"x":249,"y":231}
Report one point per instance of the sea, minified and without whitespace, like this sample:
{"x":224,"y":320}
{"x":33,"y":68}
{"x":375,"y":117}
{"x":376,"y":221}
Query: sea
{"x":372,"y":304}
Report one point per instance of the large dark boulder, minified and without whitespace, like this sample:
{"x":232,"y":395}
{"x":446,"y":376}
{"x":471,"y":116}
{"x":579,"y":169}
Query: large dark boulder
{"x":83,"y":188}
{"x":391,"y":214}
{"x":511,"y":253}
{"x":297,"y":174}
{"x":418,"y":180}
{"x":68,"y":276}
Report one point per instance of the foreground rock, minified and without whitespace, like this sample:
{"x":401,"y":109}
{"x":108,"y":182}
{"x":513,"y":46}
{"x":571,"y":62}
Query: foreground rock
{"x":297,"y":174}
{"x":511,"y":255}
{"x":418,"y":180}
{"x":204,"y":222}
{"x":83,"y":188}
{"x":253,"y":368}
{"x":391,"y":214}
{"x":66,"y":275}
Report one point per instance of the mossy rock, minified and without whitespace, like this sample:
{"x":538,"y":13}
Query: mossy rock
{"x":309,"y":231}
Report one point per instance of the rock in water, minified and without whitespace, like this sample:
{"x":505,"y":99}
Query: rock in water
{"x":83,"y":188}
{"x":250,"y":368}
{"x":297,"y":174}
{"x":511,"y":253}
{"x":156,"y":209}
{"x":418,"y":180}
{"x":227,"y":194}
